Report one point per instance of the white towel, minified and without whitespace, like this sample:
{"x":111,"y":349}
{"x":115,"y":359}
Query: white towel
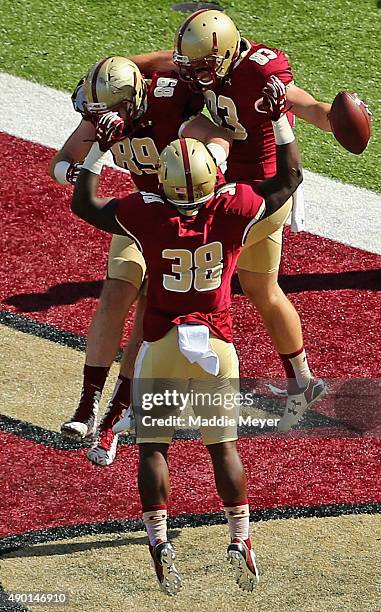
{"x":194,"y":345}
{"x":298,"y":213}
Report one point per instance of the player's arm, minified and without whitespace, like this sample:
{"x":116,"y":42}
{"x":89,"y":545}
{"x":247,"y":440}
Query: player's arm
{"x":217,"y":139}
{"x":160,"y":61}
{"x":65,"y":165}
{"x":99,"y":212}
{"x":72,"y":152}
{"x":277,"y":190}
{"x":300,"y":102}
{"x":304,"y":106}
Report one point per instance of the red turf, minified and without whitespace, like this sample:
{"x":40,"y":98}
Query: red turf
{"x":50,"y":264}
{"x":53,"y":260}
{"x":50,"y":488}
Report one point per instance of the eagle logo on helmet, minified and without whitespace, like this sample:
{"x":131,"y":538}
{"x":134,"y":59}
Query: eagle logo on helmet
{"x":206,"y":47}
{"x":112,"y":82}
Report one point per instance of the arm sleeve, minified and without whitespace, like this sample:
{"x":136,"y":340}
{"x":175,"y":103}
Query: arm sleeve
{"x":244,"y":209}
{"x":131,"y":215}
{"x":279,"y":66}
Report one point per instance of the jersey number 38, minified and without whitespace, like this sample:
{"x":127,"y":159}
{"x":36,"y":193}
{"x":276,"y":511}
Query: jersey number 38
{"x":201,"y":270}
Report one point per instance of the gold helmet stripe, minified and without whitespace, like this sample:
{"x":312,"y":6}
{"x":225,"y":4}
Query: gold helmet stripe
{"x":95,"y":78}
{"x":188,"y":175}
{"x":185,"y":25}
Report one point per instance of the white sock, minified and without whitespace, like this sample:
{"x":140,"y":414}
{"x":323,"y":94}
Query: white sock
{"x":301,"y":369}
{"x":155,"y":522}
{"x":238,"y":521}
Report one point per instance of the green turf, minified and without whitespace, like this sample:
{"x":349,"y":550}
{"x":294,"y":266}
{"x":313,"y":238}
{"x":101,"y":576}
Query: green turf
{"x":332,"y":44}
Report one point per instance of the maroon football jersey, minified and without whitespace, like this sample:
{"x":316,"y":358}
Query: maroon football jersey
{"x":233,"y":105}
{"x":190,"y":260}
{"x":169,"y":103}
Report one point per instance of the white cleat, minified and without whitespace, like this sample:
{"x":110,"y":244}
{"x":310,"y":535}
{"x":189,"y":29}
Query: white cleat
{"x":76,"y":429}
{"x":242,"y":559}
{"x":83,"y":423}
{"x":103,"y":451}
{"x":298,"y":404}
{"x":126,"y":424}
{"x":163,"y":558}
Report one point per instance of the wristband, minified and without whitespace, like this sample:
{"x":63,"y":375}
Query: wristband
{"x":217,"y":152}
{"x":283,"y":131}
{"x":94,"y":160}
{"x":60,"y":172}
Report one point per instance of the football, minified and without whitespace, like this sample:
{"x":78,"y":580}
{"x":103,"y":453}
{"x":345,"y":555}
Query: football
{"x":350,"y":120}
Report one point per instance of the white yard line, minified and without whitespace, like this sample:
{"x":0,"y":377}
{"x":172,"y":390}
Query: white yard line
{"x":335,"y":210}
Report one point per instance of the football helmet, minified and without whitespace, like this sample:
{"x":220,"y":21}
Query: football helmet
{"x":187,"y":173}
{"x":114,"y":82}
{"x":206,"y":46}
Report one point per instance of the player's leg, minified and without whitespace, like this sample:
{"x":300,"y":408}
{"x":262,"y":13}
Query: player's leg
{"x":258,"y":267}
{"x":126,"y":266}
{"x":114,"y":303}
{"x":230,"y":482}
{"x":153,"y":483}
{"x":151,"y":368}
{"x":103,"y":451}
{"x":277,"y":312}
{"x":119,"y":414}
{"x":221,"y":442}
{"x":118,"y":294}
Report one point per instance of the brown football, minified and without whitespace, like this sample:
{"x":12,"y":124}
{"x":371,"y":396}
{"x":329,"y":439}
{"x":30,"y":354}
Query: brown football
{"x":350,"y":121}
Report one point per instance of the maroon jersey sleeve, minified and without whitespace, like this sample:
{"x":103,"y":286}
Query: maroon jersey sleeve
{"x":131,"y":214}
{"x":271,"y":61}
{"x":185,"y":103}
{"x":243,"y":208}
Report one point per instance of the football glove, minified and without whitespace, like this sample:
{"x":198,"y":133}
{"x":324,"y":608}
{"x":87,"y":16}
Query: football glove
{"x":66,"y":172}
{"x":73,"y":172}
{"x":109,"y":129}
{"x":274,"y":98}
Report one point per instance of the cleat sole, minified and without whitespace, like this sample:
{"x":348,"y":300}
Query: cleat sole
{"x":171,"y":584}
{"x":245,"y":579}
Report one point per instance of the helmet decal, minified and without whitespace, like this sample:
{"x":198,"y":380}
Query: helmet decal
{"x":112,"y":82}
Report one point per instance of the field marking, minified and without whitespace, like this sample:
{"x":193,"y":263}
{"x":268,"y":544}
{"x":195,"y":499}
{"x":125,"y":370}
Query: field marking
{"x":335,"y":210}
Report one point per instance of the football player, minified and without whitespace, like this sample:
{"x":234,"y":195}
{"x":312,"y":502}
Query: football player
{"x":151,"y":113}
{"x":191,"y":238}
{"x":231,"y":71}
